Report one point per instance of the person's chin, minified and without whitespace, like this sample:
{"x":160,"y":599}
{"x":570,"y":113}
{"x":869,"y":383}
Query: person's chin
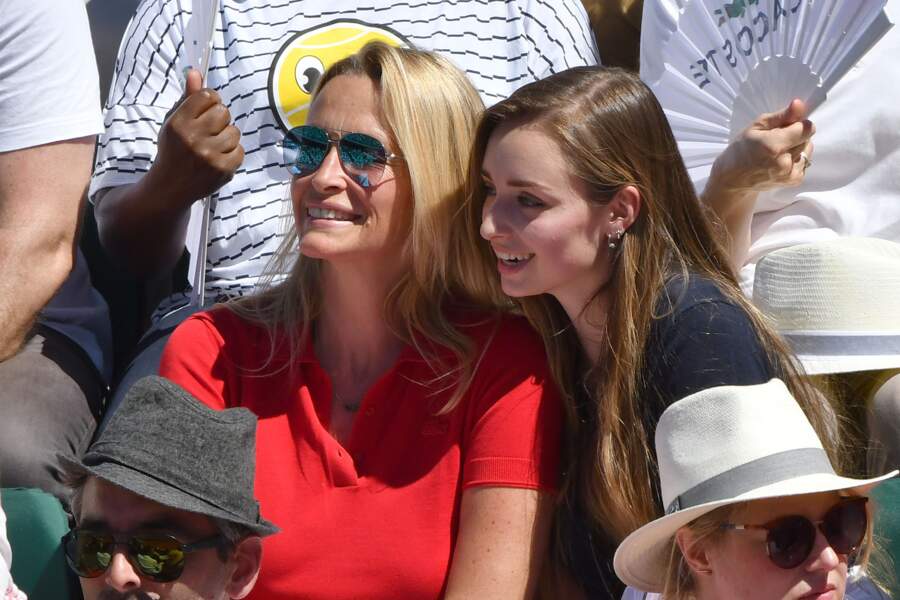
{"x":517,"y":288}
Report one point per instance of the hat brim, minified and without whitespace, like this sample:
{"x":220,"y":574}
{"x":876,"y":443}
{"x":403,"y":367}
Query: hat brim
{"x":150,"y":488}
{"x":642,"y":558}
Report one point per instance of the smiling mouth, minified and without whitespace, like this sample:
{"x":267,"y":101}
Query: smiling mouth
{"x":513,"y":259}
{"x":326,"y":214}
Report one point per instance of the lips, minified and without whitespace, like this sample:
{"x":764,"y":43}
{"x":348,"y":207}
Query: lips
{"x":826,"y":593}
{"x":331,"y":214}
{"x":511,"y":259}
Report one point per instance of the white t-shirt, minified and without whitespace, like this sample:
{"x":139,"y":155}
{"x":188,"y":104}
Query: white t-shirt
{"x":50,"y":91}
{"x":266,"y":56}
{"x":853,"y":186}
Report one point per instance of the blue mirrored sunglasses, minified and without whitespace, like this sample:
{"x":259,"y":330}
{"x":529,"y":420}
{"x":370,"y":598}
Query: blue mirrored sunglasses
{"x":362,"y":156}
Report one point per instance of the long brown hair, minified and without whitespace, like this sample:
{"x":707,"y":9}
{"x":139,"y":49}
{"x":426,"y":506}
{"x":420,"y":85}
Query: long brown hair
{"x":613,"y":132}
{"x":431,"y":110}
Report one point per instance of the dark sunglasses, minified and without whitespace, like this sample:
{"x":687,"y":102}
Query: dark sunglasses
{"x":362,"y":156}
{"x":157,"y":557}
{"x":790,"y":540}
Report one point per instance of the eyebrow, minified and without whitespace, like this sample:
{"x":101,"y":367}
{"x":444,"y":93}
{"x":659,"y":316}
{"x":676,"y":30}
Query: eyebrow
{"x":519,"y":183}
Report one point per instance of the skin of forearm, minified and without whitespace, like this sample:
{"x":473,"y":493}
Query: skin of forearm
{"x":143,"y":226}
{"x":734,"y":210}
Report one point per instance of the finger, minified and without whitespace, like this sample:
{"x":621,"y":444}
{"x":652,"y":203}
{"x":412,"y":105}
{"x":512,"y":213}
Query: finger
{"x":231,"y":161}
{"x":784,"y":139}
{"x":801,"y":164}
{"x":226,"y":140}
{"x":795,"y":111}
{"x":214,"y":119}
{"x":193,"y":82}
{"x":805,"y":148}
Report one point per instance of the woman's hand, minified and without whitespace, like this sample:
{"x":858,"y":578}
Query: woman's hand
{"x":503,"y":535}
{"x":773,"y":152}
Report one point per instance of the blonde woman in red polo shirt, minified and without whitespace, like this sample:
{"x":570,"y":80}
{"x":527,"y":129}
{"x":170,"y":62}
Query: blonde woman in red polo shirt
{"x":408,"y":439}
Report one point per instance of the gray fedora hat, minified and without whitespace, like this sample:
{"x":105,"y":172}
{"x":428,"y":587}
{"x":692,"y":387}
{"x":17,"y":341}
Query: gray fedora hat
{"x":165,"y":445}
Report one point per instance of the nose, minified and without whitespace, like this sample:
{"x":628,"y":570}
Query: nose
{"x":330,"y":176}
{"x":823,"y":556}
{"x":121,"y":575}
{"x":494,"y":223}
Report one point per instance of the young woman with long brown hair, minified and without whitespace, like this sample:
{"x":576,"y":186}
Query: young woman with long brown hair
{"x":589,"y":218}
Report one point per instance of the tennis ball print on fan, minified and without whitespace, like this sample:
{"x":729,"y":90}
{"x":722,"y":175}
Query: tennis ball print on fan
{"x":304,"y":58}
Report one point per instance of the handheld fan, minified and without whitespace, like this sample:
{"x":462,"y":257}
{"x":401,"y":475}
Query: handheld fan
{"x":716,"y":65}
{"x":198,"y":36}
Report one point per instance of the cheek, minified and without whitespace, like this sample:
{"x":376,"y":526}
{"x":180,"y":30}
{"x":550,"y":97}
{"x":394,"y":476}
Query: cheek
{"x":756,"y":579}
{"x":296,"y":190}
{"x":392,"y":207}
{"x":570,"y":240}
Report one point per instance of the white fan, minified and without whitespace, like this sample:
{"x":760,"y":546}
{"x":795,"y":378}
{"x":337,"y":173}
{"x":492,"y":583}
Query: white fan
{"x":716,"y":65}
{"x":198,"y":39}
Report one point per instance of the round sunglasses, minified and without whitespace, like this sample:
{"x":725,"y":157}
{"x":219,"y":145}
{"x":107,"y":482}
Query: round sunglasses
{"x":362,"y":156}
{"x":790,"y":540}
{"x":158,"y":557}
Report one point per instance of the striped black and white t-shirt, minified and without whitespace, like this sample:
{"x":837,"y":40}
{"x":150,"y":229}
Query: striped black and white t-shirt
{"x":265,"y":59}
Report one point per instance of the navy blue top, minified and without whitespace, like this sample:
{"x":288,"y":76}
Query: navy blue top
{"x":700,"y":340}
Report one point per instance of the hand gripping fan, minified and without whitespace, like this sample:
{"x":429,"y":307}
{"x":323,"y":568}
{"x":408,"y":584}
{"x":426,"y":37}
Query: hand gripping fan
{"x":716,"y":65}
{"x":198,"y":36}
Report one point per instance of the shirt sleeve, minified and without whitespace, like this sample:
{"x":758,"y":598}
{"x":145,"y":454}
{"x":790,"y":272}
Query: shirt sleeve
{"x":192,"y":358}
{"x":49,"y":88}
{"x":560,"y":35}
{"x":516,"y":419}
{"x":145,"y":86}
{"x":709,"y":344}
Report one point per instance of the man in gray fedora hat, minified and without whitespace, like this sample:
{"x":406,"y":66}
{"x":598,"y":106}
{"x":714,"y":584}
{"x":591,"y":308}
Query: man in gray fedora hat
{"x":163,"y":501}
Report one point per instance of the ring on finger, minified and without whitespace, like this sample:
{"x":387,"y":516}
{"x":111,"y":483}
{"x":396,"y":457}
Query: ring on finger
{"x":806,"y":162}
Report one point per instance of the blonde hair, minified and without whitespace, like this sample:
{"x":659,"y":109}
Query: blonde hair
{"x":707,"y":529}
{"x":430,"y":110}
{"x":613,"y":132}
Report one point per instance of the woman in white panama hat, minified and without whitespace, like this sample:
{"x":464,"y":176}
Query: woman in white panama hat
{"x":754,"y":508}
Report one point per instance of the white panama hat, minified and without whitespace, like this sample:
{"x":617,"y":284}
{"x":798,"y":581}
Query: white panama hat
{"x":836,"y":302}
{"x":721,"y":446}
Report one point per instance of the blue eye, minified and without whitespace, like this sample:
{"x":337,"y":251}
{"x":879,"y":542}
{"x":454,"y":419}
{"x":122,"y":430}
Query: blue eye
{"x":488,"y":188}
{"x":527,"y":201}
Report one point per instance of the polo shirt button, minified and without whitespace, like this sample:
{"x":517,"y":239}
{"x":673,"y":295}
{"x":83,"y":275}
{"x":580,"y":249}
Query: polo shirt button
{"x":370,"y":411}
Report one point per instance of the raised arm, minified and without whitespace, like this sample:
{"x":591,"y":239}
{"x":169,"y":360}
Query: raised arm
{"x":143,"y":225}
{"x":767,"y":155}
{"x":503,"y":535}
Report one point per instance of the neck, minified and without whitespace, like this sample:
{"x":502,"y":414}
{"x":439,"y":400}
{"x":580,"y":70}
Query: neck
{"x":352,"y":338}
{"x":589,"y":317}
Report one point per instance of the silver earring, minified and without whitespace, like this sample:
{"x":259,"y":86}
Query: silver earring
{"x":614,"y":242}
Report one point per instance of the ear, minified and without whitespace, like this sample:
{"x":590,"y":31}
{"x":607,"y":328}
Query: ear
{"x":695,"y":553}
{"x":247,"y":558}
{"x":624,"y":207}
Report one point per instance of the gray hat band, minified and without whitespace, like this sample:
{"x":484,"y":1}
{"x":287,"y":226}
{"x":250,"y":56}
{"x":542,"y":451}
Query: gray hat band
{"x":753,"y":475}
{"x":843,"y":345}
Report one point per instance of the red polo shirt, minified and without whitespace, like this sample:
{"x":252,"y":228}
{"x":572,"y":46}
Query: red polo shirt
{"x":376,"y":517}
